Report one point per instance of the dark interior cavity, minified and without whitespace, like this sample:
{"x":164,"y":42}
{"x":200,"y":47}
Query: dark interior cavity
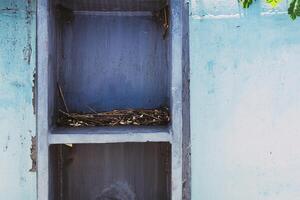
{"x":108,"y":55}
{"x":118,"y":171}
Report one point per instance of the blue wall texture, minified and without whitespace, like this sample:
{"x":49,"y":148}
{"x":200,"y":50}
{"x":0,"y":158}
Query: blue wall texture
{"x":17,"y":121}
{"x":245,"y":102}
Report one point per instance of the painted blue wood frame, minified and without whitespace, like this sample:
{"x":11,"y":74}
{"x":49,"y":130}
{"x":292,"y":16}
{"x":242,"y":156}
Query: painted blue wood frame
{"x":47,"y":59}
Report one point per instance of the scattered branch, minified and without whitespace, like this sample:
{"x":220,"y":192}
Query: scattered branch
{"x":61,"y":94}
{"x":138,"y":117}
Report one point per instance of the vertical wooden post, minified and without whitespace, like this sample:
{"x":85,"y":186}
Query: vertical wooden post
{"x":42,"y":101}
{"x":176,"y":59}
{"x":176,"y":97}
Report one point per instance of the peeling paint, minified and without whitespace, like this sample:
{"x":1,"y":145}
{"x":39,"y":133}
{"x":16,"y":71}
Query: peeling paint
{"x":27,"y":51}
{"x":33,"y":154}
{"x":17,"y":121}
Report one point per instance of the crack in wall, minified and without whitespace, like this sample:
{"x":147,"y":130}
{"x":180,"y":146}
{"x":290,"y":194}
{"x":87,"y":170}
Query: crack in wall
{"x":34,"y":92}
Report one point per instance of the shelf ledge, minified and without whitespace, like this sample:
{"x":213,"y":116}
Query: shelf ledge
{"x":108,"y":135}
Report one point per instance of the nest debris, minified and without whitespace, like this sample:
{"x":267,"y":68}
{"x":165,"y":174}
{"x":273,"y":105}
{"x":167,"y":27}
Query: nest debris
{"x":135,"y":117}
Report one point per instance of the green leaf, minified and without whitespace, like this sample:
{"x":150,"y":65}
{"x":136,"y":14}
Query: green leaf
{"x":294,"y":9}
{"x":273,"y":3}
{"x":246,"y":3}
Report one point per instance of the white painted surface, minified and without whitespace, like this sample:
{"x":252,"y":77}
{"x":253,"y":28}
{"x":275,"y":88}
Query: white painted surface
{"x":245,"y":107}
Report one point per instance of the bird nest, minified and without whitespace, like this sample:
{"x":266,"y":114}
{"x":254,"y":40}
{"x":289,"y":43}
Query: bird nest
{"x":135,"y":117}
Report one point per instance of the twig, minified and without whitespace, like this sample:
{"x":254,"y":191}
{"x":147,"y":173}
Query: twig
{"x":67,"y":114}
{"x":150,"y":116}
{"x":62,"y":97}
{"x":137,"y":117}
{"x":91,"y":109}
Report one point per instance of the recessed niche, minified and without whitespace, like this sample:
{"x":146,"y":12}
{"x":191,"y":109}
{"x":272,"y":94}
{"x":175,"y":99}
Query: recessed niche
{"x":108,"y":55}
{"x":128,"y":171}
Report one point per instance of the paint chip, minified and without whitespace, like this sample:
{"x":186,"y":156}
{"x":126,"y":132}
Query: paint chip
{"x":33,"y":154}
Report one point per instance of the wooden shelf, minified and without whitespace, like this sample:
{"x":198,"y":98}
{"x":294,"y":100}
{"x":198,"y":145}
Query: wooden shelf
{"x":127,"y":64}
{"x":109,"y":135}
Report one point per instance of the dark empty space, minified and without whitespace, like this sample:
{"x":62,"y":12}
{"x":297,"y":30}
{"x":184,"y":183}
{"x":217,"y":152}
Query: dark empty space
{"x":89,"y":171}
{"x":113,"y":62}
{"x":107,"y":55}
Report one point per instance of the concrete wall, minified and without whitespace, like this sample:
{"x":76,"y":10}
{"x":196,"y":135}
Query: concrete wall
{"x":17,"y":121}
{"x":245,"y":102}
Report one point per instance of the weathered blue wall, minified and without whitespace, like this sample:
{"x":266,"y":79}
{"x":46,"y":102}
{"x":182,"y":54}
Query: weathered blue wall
{"x":17,"y":121}
{"x":245,"y":102}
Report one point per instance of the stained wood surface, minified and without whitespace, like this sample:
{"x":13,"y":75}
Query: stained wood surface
{"x":113,"y":62}
{"x":110,"y":5}
{"x":90,"y":168}
{"x":146,"y":71}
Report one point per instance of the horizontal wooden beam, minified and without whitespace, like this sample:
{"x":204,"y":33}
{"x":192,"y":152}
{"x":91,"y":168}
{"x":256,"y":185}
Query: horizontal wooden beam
{"x":108,"y":135}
